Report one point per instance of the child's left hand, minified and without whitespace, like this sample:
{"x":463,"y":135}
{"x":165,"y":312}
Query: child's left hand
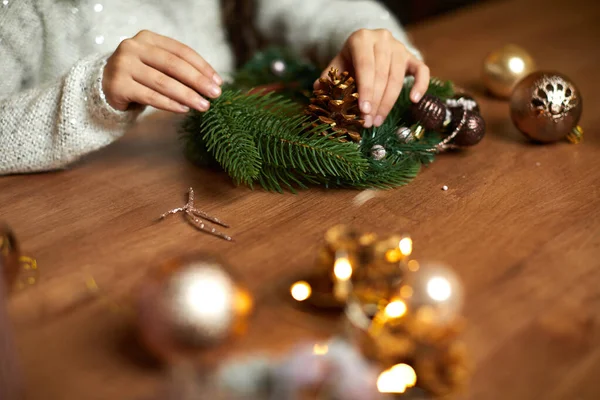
{"x":379,"y":63}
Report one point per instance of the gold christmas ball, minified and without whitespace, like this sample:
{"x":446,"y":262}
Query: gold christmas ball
{"x":9,"y":256}
{"x":352,"y":263}
{"x":546,"y":107}
{"x":504,"y":68}
{"x":421,"y":320}
{"x":432,"y":294}
{"x":189,"y":305}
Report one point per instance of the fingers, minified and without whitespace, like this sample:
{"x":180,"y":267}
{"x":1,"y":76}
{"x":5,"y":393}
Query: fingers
{"x":182,"y":51}
{"x":169,"y":88}
{"x":144,"y":95}
{"x":382,"y":73}
{"x":394,"y":87}
{"x":158,"y":71}
{"x":361,"y":48}
{"x":177,"y":68}
{"x":421,"y":73}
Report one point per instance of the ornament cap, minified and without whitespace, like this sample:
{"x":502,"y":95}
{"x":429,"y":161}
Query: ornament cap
{"x":576,"y":135}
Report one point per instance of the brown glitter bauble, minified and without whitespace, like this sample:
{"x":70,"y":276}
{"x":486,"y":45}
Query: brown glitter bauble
{"x":463,"y":101}
{"x":190,"y":305}
{"x":9,"y":256}
{"x":430,"y":112}
{"x":472,"y":131}
{"x":546,"y":107}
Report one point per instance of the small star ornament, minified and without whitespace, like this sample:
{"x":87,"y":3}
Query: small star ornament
{"x":195,"y":218}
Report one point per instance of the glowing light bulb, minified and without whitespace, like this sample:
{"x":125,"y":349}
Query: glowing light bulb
{"x":516,"y":64}
{"x":406,"y":246}
{"x":395,"y":309}
{"x":396,"y":379}
{"x":301,"y":291}
{"x":439,"y":289}
{"x":342,"y":269}
{"x":320,"y":349}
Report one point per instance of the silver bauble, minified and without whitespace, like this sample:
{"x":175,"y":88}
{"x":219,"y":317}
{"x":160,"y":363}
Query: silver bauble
{"x":378,"y":152}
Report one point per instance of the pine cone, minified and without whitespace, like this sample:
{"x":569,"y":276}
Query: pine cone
{"x":336,"y":104}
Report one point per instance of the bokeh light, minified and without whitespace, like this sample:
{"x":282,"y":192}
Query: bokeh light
{"x":301,"y":291}
{"x":395,"y":309}
{"x":342,"y":269}
{"x":439,"y":289}
{"x":396,"y":379}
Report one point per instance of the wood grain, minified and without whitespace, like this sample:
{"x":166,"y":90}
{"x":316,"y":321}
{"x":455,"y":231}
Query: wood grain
{"x":520,"y":223}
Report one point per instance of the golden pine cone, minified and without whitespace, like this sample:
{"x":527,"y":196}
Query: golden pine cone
{"x":335,"y":103}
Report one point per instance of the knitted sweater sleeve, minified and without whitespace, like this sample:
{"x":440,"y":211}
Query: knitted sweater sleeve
{"x":320,"y":28}
{"x":46,"y":126}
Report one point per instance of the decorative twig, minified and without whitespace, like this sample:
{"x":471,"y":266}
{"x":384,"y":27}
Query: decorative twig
{"x":193,"y":217}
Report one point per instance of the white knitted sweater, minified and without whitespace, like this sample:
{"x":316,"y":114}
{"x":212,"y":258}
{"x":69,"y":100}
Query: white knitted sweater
{"x":52,"y":54}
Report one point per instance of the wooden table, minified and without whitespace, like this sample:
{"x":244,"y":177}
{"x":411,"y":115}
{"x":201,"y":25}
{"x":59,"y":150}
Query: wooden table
{"x":520,"y":223}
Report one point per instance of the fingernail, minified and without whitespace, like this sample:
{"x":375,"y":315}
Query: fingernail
{"x":416,"y":96}
{"x":184,"y":108}
{"x":202,"y":104}
{"x":215,"y":91}
{"x":365,"y":107}
{"x":378,"y":121}
{"x":368,"y":121}
{"x":218,"y":80}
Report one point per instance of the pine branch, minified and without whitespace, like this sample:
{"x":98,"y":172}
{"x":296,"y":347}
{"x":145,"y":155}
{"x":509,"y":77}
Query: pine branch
{"x":195,"y":148}
{"x":242,"y":131}
{"x":276,"y":179}
{"x":385,"y":175}
{"x":230,"y":141}
{"x":287,"y":143}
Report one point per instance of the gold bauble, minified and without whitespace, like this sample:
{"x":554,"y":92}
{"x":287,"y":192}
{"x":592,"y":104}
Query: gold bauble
{"x":189,"y":305}
{"x":424,"y":307}
{"x":504,"y":68}
{"x":353,"y":263}
{"x":9,"y":256}
{"x":546,"y":107}
{"x":433,"y":294}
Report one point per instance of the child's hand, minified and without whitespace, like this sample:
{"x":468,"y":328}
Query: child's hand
{"x":379,"y":62}
{"x":155,"y":70}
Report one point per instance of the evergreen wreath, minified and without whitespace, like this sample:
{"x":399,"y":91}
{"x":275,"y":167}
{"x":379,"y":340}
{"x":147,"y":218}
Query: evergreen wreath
{"x":258,"y":130}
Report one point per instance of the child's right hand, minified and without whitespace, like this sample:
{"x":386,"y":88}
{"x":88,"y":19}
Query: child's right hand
{"x":154,"y":70}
